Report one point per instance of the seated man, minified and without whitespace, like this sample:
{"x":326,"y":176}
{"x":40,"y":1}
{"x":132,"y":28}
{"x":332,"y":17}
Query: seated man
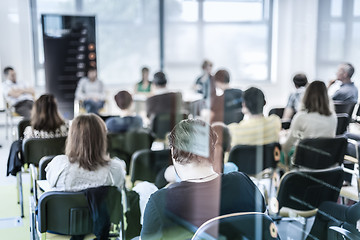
{"x":202,"y":193}
{"x":293,"y":104}
{"x":255,"y":129}
{"x":91,"y":91}
{"x":227,"y":107}
{"x":16,"y":94}
{"x":163,"y":101}
{"x":347,"y":91}
{"x":127,"y":119}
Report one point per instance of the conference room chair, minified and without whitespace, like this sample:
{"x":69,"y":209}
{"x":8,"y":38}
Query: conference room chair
{"x":33,"y":150}
{"x":302,"y":191}
{"x":342,"y":107}
{"x":124,"y":145}
{"x":320,"y":153}
{"x":280,"y":112}
{"x":10,"y":117}
{"x":163,"y":123}
{"x":259,"y":161}
{"x":251,"y":225}
{"x":78,"y":213}
{"x":21,"y":127}
{"x":146,"y":164}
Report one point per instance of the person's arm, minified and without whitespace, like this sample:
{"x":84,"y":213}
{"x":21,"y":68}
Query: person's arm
{"x":16,"y":92}
{"x":55,"y":168}
{"x":79,"y":93}
{"x":293,"y":135}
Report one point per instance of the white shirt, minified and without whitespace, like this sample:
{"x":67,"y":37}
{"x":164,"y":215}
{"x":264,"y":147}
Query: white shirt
{"x":309,"y":125}
{"x":90,"y":89}
{"x":9,"y":85}
{"x":65,"y":176}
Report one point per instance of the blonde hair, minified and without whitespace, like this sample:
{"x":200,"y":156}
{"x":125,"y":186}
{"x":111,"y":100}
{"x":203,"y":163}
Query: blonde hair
{"x":87,"y":142}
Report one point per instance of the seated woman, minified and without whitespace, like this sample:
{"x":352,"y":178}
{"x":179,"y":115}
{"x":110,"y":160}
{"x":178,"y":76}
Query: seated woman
{"x":315,"y":118}
{"x":144,"y":86}
{"x":202,"y":193}
{"x":46,"y":121}
{"x":127,"y":119}
{"x":86,"y":163}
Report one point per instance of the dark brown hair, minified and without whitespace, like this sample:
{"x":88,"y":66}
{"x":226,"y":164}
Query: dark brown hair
{"x":123,"y":99}
{"x":316,"y":99}
{"x":183,"y":138}
{"x":222,"y":76}
{"x":87,"y":142}
{"x":45,"y":115}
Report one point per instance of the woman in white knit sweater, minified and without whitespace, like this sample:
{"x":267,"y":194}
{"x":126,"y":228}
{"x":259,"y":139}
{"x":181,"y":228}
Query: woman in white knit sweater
{"x":315,"y":119}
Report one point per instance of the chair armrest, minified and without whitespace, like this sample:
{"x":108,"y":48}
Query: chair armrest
{"x":346,"y":233}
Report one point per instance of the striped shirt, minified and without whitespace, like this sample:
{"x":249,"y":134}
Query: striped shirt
{"x":256,"y":131}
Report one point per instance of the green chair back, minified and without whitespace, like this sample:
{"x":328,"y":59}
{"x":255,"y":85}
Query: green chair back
{"x":36,"y":148}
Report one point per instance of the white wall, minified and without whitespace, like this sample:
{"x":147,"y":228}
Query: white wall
{"x":295,"y":30}
{"x":16,"y":38}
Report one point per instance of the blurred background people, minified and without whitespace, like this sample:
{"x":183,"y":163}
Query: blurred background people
{"x":90,"y":90}
{"x":17,"y":95}
{"x":201,"y":83}
{"x":144,"y":86}
{"x":127,"y":120}
{"x":294,"y":101}
{"x":46,"y":121}
{"x":315,"y":119}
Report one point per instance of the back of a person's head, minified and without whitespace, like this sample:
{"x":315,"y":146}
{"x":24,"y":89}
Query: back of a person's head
{"x":45,"y":115}
{"x":160,"y":79}
{"x":123,"y":99}
{"x":205,"y":64}
{"x":300,"y":80}
{"x":254,"y":100}
{"x":349,"y":68}
{"x":144,"y":70}
{"x":186,"y":136}
{"x":7,"y":70}
{"x":223,"y":135}
{"x":222,"y":76}
{"x":87,"y":142}
{"x":316,"y":98}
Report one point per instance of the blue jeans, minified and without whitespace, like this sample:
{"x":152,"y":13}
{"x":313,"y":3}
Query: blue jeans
{"x":92,"y":106}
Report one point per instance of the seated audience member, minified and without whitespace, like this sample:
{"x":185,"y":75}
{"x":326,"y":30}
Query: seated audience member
{"x":293,"y":104}
{"x":86,"y":163}
{"x":333,"y":214}
{"x":144,"y":86}
{"x":255,"y":128}
{"x":202,"y":193}
{"x":127,"y":120}
{"x":46,"y":121}
{"x":163,"y":100}
{"x":226,"y":107}
{"x":17,"y":95}
{"x":347,"y":91}
{"x":315,"y":118}
{"x":223,"y":145}
{"x":91,"y":91}
{"x":202,"y":82}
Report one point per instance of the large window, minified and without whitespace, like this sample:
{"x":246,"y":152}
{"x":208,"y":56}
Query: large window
{"x":127,"y":35}
{"x":338,"y":35}
{"x":234,"y":34}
